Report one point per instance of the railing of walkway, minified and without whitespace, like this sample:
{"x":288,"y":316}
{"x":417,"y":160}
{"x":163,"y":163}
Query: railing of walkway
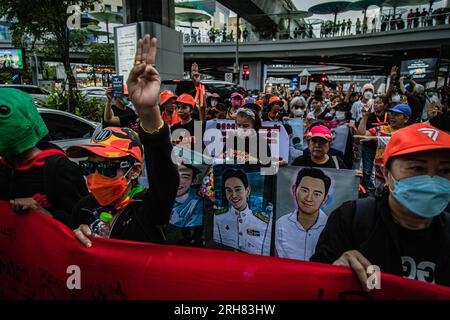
{"x":326,"y":29}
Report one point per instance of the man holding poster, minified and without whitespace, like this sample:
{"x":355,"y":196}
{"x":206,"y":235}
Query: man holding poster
{"x":297,"y":232}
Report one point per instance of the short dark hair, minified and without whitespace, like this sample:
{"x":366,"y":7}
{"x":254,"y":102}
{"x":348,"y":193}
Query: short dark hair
{"x":313,"y":173}
{"x":194,"y":170}
{"x":232,"y":173}
{"x":384,"y":98}
{"x":235,"y":173}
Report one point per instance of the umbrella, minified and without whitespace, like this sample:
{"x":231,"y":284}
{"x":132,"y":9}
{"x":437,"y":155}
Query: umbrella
{"x":365,"y":4}
{"x":296,"y":15}
{"x":87,"y":21}
{"x":313,"y":21}
{"x":107,"y":17}
{"x":192,"y":16}
{"x":402,"y":3}
{"x":398,"y":11}
{"x":333,"y":7}
{"x":96,"y":31}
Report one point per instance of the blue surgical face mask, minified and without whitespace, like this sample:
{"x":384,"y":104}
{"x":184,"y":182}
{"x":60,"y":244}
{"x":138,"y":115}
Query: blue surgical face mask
{"x":425,"y":196}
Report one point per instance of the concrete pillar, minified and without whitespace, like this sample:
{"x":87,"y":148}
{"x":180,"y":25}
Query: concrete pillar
{"x":157,"y":18}
{"x":255,"y":80}
{"x":159,"y":11}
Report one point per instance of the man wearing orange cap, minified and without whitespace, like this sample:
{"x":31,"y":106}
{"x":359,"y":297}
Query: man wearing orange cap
{"x":405,"y":231}
{"x":274,"y":107}
{"x":115,"y":160}
{"x":166,"y":103}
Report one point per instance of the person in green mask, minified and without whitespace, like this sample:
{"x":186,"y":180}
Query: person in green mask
{"x":34,"y":174}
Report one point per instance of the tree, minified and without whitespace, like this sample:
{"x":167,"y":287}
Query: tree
{"x":100,"y":55}
{"x":47,"y":22}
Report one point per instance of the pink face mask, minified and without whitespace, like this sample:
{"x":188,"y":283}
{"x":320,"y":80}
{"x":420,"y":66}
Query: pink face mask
{"x":235,"y":103}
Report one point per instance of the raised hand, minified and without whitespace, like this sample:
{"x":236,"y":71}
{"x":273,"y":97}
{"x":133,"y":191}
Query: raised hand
{"x":394,"y":71}
{"x":144,"y":81}
{"x":109,"y":94}
{"x":195,"y":74}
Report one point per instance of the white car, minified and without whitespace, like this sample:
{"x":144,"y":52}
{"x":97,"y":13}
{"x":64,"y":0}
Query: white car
{"x":39,"y":94}
{"x":66,"y":129}
{"x":94,"y":92}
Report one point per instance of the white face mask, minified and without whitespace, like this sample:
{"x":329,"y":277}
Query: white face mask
{"x":244,"y":133}
{"x":396,"y":98}
{"x":213,"y":102}
{"x":340,"y":115}
{"x":368,"y":95}
{"x":298,"y":112}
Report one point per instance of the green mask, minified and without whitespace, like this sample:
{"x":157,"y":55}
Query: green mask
{"x":21,"y":125}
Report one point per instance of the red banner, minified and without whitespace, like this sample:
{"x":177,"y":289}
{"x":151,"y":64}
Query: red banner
{"x":41,"y":259}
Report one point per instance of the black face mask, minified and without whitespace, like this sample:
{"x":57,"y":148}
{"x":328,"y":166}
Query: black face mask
{"x":318,"y":93}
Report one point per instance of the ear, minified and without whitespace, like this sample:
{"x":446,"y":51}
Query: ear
{"x":136,"y":171}
{"x":325,"y":199}
{"x":249,"y":190}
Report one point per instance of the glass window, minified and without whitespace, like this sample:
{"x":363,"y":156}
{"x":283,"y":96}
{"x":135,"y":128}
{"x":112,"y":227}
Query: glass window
{"x":107,"y":7}
{"x":30,"y":90}
{"x":119,"y":9}
{"x":63,"y":127}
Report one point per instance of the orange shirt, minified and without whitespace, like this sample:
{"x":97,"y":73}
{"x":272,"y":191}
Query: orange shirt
{"x":171,"y":120}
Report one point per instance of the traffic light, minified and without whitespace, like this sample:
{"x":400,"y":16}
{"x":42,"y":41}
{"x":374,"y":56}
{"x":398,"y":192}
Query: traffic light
{"x":245,"y":72}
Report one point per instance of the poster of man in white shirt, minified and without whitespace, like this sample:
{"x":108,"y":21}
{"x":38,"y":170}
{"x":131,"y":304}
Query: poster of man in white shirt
{"x":305,"y":198}
{"x":243,"y":213}
{"x":297,"y":232}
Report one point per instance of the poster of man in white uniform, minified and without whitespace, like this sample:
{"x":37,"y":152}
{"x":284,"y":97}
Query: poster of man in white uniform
{"x":243,"y":208}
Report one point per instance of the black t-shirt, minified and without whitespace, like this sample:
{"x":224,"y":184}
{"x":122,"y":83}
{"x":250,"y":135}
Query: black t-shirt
{"x":305,"y":161}
{"x":416,"y":103}
{"x":186,"y":135}
{"x":248,"y":150}
{"x":278,"y":117}
{"x":128,"y":118}
{"x":59,"y":179}
{"x":419,"y":250}
{"x":375,"y":121}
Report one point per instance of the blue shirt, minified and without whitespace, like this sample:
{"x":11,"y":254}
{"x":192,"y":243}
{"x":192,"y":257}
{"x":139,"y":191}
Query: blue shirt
{"x":187,"y":210}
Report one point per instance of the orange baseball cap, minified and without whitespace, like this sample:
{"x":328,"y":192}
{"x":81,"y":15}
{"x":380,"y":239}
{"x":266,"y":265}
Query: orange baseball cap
{"x":416,"y":138}
{"x":111,"y":142}
{"x":165,"y":96}
{"x":186,"y":99}
{"x":274,"y":100}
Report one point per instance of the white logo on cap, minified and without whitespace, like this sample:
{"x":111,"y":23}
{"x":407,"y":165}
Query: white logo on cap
{"x":431,"y":133}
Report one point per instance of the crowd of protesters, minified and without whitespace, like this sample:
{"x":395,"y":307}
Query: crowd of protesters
{"x":400,"y":142}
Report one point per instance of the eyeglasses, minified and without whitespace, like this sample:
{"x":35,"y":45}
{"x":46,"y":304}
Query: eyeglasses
{"x":106,"y":168}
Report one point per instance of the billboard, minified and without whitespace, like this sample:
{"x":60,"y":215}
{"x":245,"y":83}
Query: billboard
{"x":11,"y":59}
{"x":419,"y":69}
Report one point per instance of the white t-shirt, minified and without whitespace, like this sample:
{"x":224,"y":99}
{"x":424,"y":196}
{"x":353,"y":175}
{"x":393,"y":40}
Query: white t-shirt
{"x":293,"y":241}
